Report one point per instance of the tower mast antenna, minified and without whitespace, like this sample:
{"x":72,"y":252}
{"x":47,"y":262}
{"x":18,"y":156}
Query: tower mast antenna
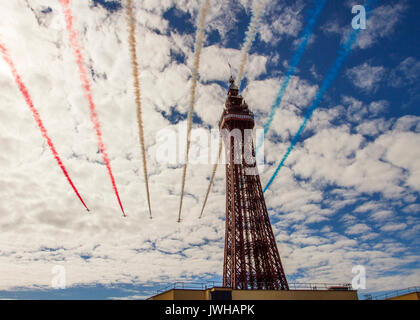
{"x":230,"y":69}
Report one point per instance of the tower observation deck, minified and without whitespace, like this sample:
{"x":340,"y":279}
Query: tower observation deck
{"x":251,"y":258}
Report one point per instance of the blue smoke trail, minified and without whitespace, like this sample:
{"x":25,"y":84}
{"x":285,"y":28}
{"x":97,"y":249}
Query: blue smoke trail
{"x":343,"y":53}
{"x":303,"y":42}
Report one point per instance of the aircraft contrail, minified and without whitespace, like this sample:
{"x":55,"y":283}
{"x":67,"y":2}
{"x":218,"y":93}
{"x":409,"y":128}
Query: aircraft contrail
{"x":88,"y":93}
{"x":136,"y":84}
{"x":249,"y":38}
{"x":198,"y":47}
{"x":303,"y":43}
{"x":332,"y":73}
{"x":8,"y":59}
{"x":213,"y":173}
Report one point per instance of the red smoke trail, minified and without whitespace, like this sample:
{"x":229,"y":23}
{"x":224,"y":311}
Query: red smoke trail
{"x":88,"y":93}
{"x":37,"y":117}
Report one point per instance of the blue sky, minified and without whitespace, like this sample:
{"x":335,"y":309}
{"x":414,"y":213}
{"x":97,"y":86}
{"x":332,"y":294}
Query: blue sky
{"x":348,"y":193}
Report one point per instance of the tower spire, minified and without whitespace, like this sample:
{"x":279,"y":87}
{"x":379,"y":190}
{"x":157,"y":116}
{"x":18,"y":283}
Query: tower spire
{"x":231,"y":80}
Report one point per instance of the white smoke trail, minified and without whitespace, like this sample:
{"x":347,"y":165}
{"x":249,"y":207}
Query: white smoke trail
{"x":250,"y":36}
{"x":212,"y":177}
{"x":198,"y":47}
{"x":136,"y":83}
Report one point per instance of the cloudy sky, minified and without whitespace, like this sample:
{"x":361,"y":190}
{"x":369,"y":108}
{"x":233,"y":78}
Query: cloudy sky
{"x":348,"y":193}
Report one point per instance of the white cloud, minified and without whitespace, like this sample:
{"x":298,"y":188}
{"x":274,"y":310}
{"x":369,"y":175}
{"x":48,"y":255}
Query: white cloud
{"x":412,"y":208}
{"x":403,"y":151}
{"x":368,"y":206}
{"x":214,"y":64}
{"x":360,"y":112}
{"x":336,"y":156}
{"x":407,"y":72}
{"x":373,"y":127}
{"x":394,"y":227}
{"x":358,"y":228}
{"x":365,"y":76}
{"x":280,"y":21}
{"x":407,"y":123}
{"x":382,"y":215}
{"x":382,"y":22}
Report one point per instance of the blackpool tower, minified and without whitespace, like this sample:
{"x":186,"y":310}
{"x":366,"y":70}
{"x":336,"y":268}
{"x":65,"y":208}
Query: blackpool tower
{"x":251,"y":258}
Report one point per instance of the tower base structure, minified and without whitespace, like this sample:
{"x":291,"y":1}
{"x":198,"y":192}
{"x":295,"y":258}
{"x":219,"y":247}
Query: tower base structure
{"x":184,"y":292}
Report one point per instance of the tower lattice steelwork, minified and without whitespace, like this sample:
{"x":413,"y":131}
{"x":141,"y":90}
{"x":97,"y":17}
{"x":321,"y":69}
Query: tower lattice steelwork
{"x":251,"y":260}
